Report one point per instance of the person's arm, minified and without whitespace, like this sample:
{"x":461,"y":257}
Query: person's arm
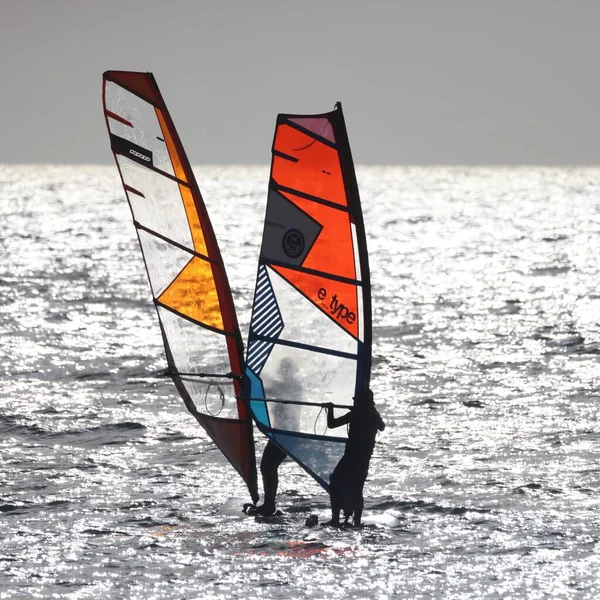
{"x":332,"y":422}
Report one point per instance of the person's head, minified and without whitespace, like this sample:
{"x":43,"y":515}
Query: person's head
{"x":364,"y":398}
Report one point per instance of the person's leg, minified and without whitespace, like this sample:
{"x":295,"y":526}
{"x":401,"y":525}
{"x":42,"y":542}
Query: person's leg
{"x":358,"y":494}
{"x":358,"y":508}
{"x":335,"y":496}
{"x":272,"y":457}
{"x":336,"y":508}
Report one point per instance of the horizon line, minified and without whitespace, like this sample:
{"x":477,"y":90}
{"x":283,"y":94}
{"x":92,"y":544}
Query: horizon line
{"x":357,"y":165}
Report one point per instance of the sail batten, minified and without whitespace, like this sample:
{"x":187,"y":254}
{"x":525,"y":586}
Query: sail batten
{"x":310,"y":332}
{"x":185,"y":270}
{"x":297,"y":124}
{"x":165,"y":239}
{"x":324,"y":274}
{"x":312,"y":348}
{"x":311,"y":197}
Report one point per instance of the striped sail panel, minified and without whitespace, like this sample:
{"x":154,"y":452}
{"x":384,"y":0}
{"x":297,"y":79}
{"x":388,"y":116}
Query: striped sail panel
{"x":266,"y":322}
{"x":185,"y":270}
{"x":310,"y":333}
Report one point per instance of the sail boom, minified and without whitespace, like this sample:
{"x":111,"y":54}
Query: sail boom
{"x":298,"y":403}
{"x":205,"y":375}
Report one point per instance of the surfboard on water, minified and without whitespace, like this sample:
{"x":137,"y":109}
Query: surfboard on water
{"x":187,"y":277}
{"x":310,"y":333}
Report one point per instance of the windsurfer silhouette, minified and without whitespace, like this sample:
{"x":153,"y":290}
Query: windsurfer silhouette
{"x":349,"y":476}
{"x":283,"y":416}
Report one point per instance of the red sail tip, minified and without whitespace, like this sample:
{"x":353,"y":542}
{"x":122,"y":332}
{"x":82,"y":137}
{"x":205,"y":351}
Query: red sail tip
{"x":141,"y":84}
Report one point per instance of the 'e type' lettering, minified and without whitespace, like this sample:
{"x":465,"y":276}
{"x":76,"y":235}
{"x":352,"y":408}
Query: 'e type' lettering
{"x":337,"y":308}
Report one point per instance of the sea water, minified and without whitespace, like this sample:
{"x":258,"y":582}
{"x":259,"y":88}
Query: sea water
{"x":485,"y":483}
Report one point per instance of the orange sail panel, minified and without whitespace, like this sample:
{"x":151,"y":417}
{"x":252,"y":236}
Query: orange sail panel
{"x":336,"y":299}
{"x":186,"y":272}
{"x":193,"y":293}
{"x":333,"y":250}
{"x":314,"y":167}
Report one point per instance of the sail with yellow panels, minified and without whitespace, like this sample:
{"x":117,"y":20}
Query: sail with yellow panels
{"x":187,"y":277}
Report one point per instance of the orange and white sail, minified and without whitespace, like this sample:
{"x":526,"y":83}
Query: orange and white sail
{"x":310,"y":333}
{"x":185,"y":270}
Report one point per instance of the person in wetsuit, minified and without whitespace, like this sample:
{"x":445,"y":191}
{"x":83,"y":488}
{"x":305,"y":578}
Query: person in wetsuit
{"x":283,"y":416}
{"x":349,"y":476}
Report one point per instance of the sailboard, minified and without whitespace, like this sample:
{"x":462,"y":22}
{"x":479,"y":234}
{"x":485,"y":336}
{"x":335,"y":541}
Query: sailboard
{"x":310,"y":333}
{"x":187,"y":277}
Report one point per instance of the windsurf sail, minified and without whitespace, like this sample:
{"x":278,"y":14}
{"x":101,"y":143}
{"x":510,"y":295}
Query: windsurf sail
{"x":187,"y":276}
{"x":310,"y":331}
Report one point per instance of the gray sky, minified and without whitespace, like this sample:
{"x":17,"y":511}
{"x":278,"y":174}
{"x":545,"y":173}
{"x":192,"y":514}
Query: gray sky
{"x":421,"y":81}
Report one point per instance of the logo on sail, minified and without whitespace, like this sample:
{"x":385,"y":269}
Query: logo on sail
{"x":335,"y":307}
{"x":293,"y":243}
{"x":128,"y":148}
{"x":139,"y":155}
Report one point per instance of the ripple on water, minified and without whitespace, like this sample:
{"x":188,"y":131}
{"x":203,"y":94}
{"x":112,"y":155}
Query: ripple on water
{"x":486,"y":336}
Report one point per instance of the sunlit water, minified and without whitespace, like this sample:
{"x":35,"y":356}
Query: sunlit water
{"x":486,"y":351}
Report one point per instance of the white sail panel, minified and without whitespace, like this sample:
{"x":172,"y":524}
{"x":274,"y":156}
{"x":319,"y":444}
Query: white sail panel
{"x":304,"y":323}
{"x":160,"y":209}
{"x":195,"y":349}
{"x":164,"y":261}
{"x":145,"y":130}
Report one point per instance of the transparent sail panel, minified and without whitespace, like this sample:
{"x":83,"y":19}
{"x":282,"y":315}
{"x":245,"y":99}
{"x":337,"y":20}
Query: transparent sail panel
{"x":161,"y":208}
{"x":302,"y":418}
{"x":319,"y":125}
{"x":303,"y":322}
{"x":194,"y":348}
{"x":213,"y":397}
{"x":320,"y":456}
{"x":163,"y":260}
{"x":295,"y":374}
{"x":145,"y":131}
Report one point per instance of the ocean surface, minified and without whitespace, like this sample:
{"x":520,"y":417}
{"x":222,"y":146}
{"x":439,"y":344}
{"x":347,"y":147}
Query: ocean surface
{"x":485,"y":484}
